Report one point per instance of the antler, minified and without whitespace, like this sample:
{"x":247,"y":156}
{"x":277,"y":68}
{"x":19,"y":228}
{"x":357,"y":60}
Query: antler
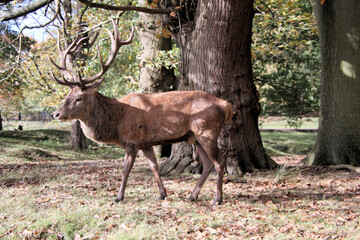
{"x":77,"y":80}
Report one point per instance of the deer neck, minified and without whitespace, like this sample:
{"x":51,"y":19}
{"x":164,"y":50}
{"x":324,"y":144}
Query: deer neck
{"x":103,"y":118}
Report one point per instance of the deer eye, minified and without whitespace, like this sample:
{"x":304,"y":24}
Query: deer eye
{"x":79,"y":99}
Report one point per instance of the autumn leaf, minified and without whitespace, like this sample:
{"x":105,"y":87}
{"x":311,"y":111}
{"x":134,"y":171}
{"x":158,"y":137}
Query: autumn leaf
{"x":322,"y":1}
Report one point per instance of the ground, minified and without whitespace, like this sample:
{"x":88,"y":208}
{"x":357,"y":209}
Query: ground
{"x":74,"y":200}
{"x":50,"y":191}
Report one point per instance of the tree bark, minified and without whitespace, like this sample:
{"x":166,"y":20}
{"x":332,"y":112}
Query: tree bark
{"x":338,"y":140}
{"x":6,"y":15}
{"x":216,"y":58}
{"x":78,"y":139}
{"x":153,"y":79}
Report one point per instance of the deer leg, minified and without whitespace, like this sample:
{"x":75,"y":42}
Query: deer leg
{"x":207,"y":167}
{"x":213,"y":152}
{"x":150,"y":155}
{"x":130,"y":155}
{"x":219,"y":167}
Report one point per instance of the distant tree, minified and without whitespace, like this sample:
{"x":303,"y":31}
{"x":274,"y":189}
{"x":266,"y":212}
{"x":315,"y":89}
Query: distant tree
{"x":12,"y":56}
{"x":338,"y":140}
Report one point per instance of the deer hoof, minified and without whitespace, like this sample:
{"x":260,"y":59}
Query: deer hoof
{"x":119,"y":199}
{"x":216,"y":202}
{"x":162,"y":196}
{"x":192,"y":198}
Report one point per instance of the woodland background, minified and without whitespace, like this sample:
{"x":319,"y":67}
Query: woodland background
{"x":51,"y":189}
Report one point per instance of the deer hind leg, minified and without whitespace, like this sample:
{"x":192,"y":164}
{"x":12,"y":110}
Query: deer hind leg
{"x":130,"y":155}
{"x":207,"y":167}
{"x":150,"y":155}
{"x":213,"y":152}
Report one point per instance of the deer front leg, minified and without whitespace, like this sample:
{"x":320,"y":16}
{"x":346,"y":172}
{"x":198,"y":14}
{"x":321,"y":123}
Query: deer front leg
{"x":130,"y":155}
{"x":150,"y":155}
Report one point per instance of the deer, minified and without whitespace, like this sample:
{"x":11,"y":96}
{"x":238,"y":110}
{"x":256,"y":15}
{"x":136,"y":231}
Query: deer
{"x":140,"y":121}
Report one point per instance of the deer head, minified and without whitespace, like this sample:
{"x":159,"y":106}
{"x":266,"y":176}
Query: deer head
{"x":81,"y":95}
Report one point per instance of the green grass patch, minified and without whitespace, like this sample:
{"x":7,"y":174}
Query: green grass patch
{"x":49,"y":145}
{"x":288,"y":143}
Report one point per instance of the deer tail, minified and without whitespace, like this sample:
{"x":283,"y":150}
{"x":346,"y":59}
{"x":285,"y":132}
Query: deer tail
{"x":229,"y":112}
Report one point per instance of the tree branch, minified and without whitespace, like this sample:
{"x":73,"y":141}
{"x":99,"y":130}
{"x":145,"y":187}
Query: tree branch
{"x":126,"y":8}
{"x":22,"y":11}
{"x":47,"y":23}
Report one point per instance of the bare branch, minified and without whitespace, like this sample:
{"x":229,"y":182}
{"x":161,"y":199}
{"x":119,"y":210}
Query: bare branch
{"x":47,"y":23}
{"x":6,"y":15}
{"x":125,"y":8}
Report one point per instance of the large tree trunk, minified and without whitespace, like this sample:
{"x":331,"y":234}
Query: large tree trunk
{"x":338,"y":140}
{"x":216,"y":58}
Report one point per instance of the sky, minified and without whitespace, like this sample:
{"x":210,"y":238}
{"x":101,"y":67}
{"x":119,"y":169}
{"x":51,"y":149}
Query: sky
{"x":34,"y":19}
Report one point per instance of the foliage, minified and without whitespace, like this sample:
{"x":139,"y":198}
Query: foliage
{"x":168,"y":59}
{"x":286,"y":57}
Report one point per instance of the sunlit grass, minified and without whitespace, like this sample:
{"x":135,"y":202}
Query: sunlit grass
{"x":288,"y":143}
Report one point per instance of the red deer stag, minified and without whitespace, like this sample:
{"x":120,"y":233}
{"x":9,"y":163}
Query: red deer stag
{"x":140,"y":121}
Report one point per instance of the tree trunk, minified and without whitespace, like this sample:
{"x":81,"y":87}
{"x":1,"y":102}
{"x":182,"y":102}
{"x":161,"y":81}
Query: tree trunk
{"x":216,"y":58}
{"x":1,"y":127}
{"x":154,"y":79}
{"x":338,"y":140}
{"x":78,"y":139}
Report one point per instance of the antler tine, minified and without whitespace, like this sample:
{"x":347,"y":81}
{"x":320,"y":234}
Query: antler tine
{"x":64,"y":82}
{"x":116,"y":43}
{"x":76,"y":44}
{"x":129,"y":40}
{"x":62,"y":65}
{"x":62,"y":70}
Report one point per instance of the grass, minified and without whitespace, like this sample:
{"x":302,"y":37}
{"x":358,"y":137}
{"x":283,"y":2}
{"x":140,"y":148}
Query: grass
{"x":40,"y":144}
{"x":50,"y":191}
{"x":288,"y":143}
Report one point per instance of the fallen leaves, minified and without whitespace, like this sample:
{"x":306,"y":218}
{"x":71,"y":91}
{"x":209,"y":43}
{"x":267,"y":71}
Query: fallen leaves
{"x":310,"y":203}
